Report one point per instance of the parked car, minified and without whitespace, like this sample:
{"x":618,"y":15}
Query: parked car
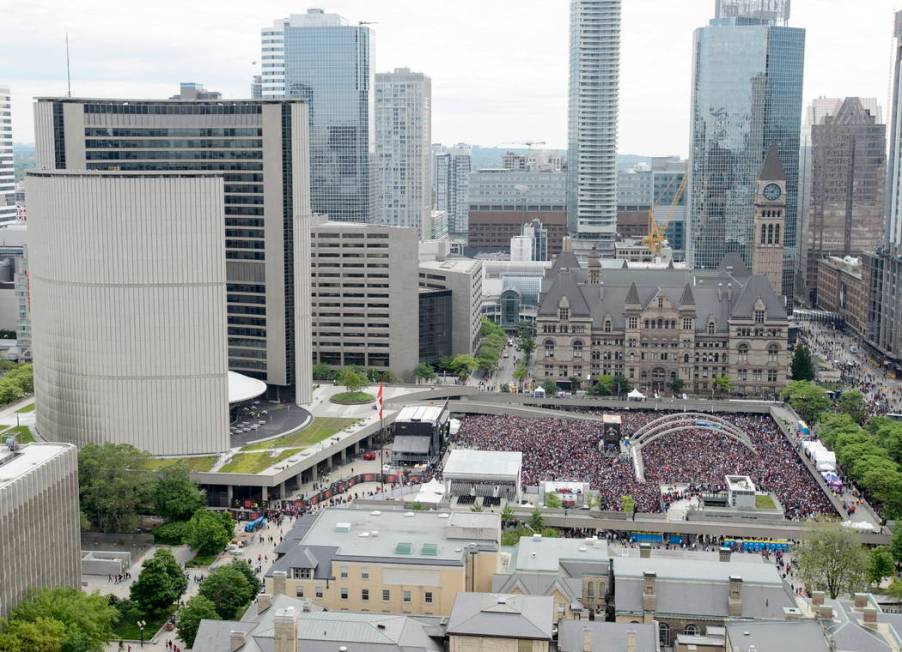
{"x":369,"y":455}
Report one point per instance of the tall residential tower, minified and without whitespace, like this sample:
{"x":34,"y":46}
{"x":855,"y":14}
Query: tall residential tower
{"x":746,"y":96}
{"x":326,"y":61}
{"x":404,"y":147}
{"x":7,"y":171}
{"x":592,"y":123}
{"x":452,"y":187}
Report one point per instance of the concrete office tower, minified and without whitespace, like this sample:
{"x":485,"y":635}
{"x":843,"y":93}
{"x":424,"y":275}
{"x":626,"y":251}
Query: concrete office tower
{"x":404,"y":147}
{"x":364,"y":283}
{"x":592,"y":124}
{"x":260,"y":147}
{"x":7,"y":170}
{"x":39,"y":522}
{"x":893,"y":233}
{"x":128,"y":292}
{"x":747,"y":95}
{"x":327,"y":62}
{"x":452,"y":187}
{"x":846,"y":205}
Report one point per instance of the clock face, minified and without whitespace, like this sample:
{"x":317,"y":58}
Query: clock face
{"x":772,"y":192}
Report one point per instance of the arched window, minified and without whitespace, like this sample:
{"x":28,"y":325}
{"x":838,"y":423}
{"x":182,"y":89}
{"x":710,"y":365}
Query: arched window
{"x":711,"y":327}
{"x":763,"y":233}
{"x":664,"y":634}
{"x":773,"y":350}
{"x":776,"y":234}
{"x":578,"y":349}
{"x":549,"y":348}
{"x":743,"y":350}
{"x":691,"y":630}
{"x":607,"y":325}
{"x":685,"y":358}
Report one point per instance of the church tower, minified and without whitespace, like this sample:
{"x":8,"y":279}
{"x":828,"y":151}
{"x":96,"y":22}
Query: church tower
{"x":769,"y":222}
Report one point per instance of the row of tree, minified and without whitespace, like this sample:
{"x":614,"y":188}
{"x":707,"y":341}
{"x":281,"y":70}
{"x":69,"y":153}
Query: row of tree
{"x":492,"y":341}
{"x":326,"y":372}
{"x":223,"y":595}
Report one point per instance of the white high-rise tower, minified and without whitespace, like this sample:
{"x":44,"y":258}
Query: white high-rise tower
{"x":592,"y":128}
{"x":7,"y":171}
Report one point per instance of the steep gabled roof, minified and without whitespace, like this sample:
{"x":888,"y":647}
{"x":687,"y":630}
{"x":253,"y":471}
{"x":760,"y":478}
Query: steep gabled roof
{"x":632,"y":297}
{"x":772,"y":169}
{"x":565,"y":286}
{"x":757,"y":287}
{"x":687,"y":299}
{"x":733,"y":264}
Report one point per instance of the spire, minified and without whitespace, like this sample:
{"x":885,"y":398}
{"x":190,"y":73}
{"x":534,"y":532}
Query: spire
{"x":772,"y":169}
{"x":632,"y":297}
{"x":688,"y":299}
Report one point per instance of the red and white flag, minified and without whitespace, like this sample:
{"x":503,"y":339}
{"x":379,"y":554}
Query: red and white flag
{"x":379,"y":398}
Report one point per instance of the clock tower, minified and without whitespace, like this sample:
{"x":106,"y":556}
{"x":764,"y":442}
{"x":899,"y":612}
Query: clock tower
{"x":770,"y":222}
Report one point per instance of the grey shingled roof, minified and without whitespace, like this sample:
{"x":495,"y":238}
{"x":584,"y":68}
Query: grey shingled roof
{"x":504,"y":616}
{"x":565,"y":285}
{"x":606,"y":637}
{"x":539,"y":584}
{"x":318,"y":558}
{"x":772,"y":170}
{"x":797,"y":635}
{"x":756,"y":288}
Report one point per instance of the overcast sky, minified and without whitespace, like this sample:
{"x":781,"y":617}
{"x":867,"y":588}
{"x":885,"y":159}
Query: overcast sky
{"x":498,"y":67}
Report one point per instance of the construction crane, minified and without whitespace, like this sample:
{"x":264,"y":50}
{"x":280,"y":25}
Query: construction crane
{"x":528,"y":143}
{"x":656,"y":230}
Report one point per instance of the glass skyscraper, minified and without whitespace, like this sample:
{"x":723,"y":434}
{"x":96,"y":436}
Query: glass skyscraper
{"x":746,"y":95}
{"x":327,"y":62}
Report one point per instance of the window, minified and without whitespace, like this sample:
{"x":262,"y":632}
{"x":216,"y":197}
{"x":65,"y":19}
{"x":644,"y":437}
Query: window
{"x":549,"y":348}
{"x":743,"y":353}
{"x":691,"y":630}
{"x":427,"y":597}
{"x":386,"y":595}
{"x":343,"y":593}
{"x":711,"y":327}
{"x":771,"y":375}
{"x":664,"y":634}
{"x":634,"y":322}
{"x":577,"y":349}
{"x":772,"y":352}
{"x":406,"y":596}
{"x":759,"y":316}
{"x":660,"y":302}
{"x":343,"y":572}
{"x":365,"y":595}
{"x":299,"y":591}
{"x":607,"y":325}
{"x":319,"y":592}
{"x":364,"y":573}
{"x":564,"y":314}
{"x":687,"y":323}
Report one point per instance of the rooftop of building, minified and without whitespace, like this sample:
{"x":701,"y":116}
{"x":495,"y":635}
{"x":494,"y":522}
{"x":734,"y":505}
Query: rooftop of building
{"x":605,"y":637}
{"x":416,"y":537}
{"x":684,"y":568}
{"x":502,"y":616}
{"x":321,"y":631}
{"x":420,"y":413}
{"x":159,"y":100}
{"x":452,"y":264}
{"x":805,"y":635}
{"x":496,"y":465}
{"x":22,"y":460}
{"x":548,"y":555}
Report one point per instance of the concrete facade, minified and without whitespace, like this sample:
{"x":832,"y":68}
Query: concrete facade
{"x":128,"y":290}
{"x":364,"y":296}
{"x":261,"y":150}
{"x":452,"y":186}
{"x":844,"y":290}
{"x":39,"y":520}
{"x":463,"y":276}
{"x":7,"y":171}
{"x":492,"y":230}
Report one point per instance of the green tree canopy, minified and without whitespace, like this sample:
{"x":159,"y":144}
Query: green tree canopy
{"x":229,"y":591}
{"x":323,"y":371}
{"x":160,"y":583}
{"x":627,"y":504}
{"x":526,"y":342}
{"x":507,"y":514}
{"x":549,"y":386}
{"x":807,"y":399}
{"x":723,"y":384}
{"x":86,"y":619}
{"x":175,"y":496}
{"x":852,"y":403}
{"x":520,"y":373}
{"x":677,"y":385}
{"x":245,"y":569}
{"x":621,"y":385}
{"x":424,"y":372}
{"x":880,"y":565}
{"x":895,"y":546}
{"x":114,"y":485}
{"x":831,"y":558}
{"x":552,"y":500}
{"x":536,"y":521}
{"x":802,"y":366}
{"x":603,"y":386}
{"x":189,"y":617}
{"x":208,"y":533}
{"x":463,"y":365}
{"x":40,"y":635}
{"x":352,"y":380}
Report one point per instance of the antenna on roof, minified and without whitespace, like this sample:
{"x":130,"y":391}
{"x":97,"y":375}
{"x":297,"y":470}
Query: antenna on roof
{"x":68,"y":77}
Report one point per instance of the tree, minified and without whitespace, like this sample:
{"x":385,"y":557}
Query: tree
{"x":86,"y":619}
{"x":160,"y":583}
{"x":723,"y":384}
{"x":175,"y":495}
{"x":604,"y":386}
{"x":507,"y":514}
{"x":323,"y":371}
{"x":621,"y":385}
{"x":852,"y":403}
{"x":520,"y":373}
{"x":207,"y":533}
{"x":552,"y":500}
{"x":880,"y":565}
{"x":228,"y":589}
{"x":627,"y":504}
{"x":41,"y":635}
{"x":802,"y":367}
{"x":549,"y":386}
{"x":424,"y":372}
{"x":526,"y":342}
{"x":113,"y":485}
{"x":895,"y":546}
{"x":352,"y":380}
{"x":197,"y":609}
{"x":807,"y":399}
{"x":463,"y":365}
{"x":245,"y":569}
{"x":677,"y":385}
{"x":831,"y":558}
{"x":536,"y":521}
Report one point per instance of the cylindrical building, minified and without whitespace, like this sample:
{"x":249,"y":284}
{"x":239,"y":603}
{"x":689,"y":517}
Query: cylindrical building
{"x":128,"y":294}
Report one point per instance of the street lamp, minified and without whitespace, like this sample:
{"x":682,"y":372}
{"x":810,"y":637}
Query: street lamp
{"x":141,"y":625}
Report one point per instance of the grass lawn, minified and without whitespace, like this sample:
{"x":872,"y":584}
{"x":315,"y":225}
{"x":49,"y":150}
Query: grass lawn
{"x":27,"y":408}
{"x":764,"y":502}
{"x":128,"y":630}
{"x":321,"y":428}
{"x":353,"y":398}
{"x":204,"y":463}
{"x":255,"y":462}
{"x":201,"y":560}
{"x":22,"y":433}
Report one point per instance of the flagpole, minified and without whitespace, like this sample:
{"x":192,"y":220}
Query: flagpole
{"x":381,"y":443}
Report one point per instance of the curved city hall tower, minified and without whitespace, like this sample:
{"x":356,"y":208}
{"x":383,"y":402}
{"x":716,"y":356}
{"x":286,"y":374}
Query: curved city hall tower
{"x":128,"y":294}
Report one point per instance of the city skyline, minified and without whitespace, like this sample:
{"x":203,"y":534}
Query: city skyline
{"x":489,"y":105}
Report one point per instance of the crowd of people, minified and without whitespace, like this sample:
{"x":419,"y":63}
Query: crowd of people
{"x":567,"y":449}
{"x":882,"y":393}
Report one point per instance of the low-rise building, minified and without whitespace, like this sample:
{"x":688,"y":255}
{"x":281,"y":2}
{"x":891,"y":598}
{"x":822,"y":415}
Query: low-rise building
{"x":805,"y":635}
{"x":364,"y":295}
{"x":595,"y":636}
{"x":500,"y":622}
{"x":843,"y":288}
{"x":39,"y":520}
{"x":463,"y":276}
{"x":387,"y":561}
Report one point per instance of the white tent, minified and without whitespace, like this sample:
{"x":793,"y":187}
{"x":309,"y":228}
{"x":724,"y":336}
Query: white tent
{"x":431,"y":493}
{"x":636,"y":394}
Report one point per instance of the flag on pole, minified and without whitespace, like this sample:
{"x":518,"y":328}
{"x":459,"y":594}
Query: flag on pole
{"x":379,"y":397}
